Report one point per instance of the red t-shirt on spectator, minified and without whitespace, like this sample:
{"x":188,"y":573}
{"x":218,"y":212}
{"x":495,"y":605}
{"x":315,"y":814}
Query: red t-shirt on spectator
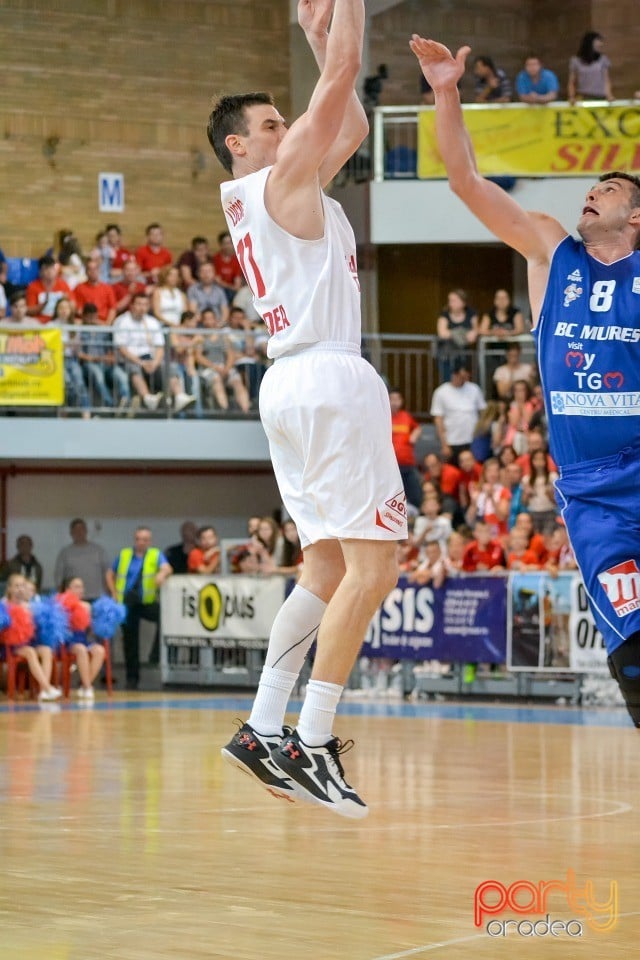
{"x":538,"y":548}
{"x":474,"y":556}
{"x":100,"y":294}
{"x":450,"y":480}
{"x":47,"y":299}
{"x":196,"y":559}
{"x":529,"y":559}
{"x":402,"y":426}
{"x":149,"y":259}
{"x":472,"y":476}
{"x":120,"y":257}
{"x":227,"y":268}
{"x":122,"y":290}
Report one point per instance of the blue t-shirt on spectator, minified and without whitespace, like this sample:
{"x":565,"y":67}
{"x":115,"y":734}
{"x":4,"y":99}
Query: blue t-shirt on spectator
{"x":547,"y":83}
{"x":135,"y":569}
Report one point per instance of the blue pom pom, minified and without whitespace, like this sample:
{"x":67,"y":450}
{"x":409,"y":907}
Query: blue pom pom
{"x":51,"y":621}
{"x":5,"y":619}
{"x":106,"y":617}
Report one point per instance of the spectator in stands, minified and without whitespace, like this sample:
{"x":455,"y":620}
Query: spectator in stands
{"x":491,"y":82}
{"x":82,"y":559}
{"x":44,"y":293}
{"x":138,"y":336}
{"x":205,"y":556}
{"x":539,"y":415}
{"x":536,"y":84}
{"x":228,"y":273}
{"x":431,"y":524}
{"x":24,"y":563}
{"x":405,"y":431}
{"x":76,"y":391}
{"x":70,"y":259}
{"x":589,"y":77}
{"x":178,"y":553}
{"x":431,"y":567}
{"x":248,"y":361}
{"x":484,"y":553}
{"x":96,"y":292}
{"x":535,"y":540}
{"x":168,"y":301}
{"x":506,"y":375}
{"x":39,"y":657}
{"x":89,"y":654}
{"x":184,"y":347}
{"x":447,"y":479}
{"x":504,"y":320}
{"x":190,"y":261}
{"x":130,"y":283}
{"x":102,"y":252}
{"x":513,"y":482}
{"x":455,"y":407}
{"x":215,"y":364}
{"x":18,"y":307}
{"x":97,"y":356}
{"x":153,"y":256}
{"x":269,"y":536}
{"x":457,"y":328}
{"x":561,"y":557}
{"x":535,"y":441}
{"x":506,"y":456}
{"x":119,"y":253}
{"x":489,"y":500}
{"x":290,"y":556}
{"x":245,"y":560}
{"x":519,"y":417}
{"x":206,"y":294}
{"x":134,"y":579}
{"x":452,"y":559}
{"x":539,"y":496}
{"x":489,"y":432}
{"x":470,"y":472}
{"x":243,"y":299}
{"x":520,"y":556}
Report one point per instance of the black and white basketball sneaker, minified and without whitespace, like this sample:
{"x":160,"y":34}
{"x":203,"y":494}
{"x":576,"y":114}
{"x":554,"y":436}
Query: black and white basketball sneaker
{"x":251,"y":753}
{"x":318,"y":773}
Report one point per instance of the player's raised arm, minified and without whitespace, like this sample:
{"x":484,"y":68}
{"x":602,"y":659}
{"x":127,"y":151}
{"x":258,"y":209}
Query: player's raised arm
{"x":314,"y":17}
{"x":535,"y":236}
{"x":315,"y":136}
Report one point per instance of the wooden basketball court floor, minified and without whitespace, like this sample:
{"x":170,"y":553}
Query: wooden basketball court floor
{"x":123,"y":835}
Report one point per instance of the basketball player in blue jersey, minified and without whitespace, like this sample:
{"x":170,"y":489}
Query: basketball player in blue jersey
{"x":325,"y":410}
{"x":585,"y":302}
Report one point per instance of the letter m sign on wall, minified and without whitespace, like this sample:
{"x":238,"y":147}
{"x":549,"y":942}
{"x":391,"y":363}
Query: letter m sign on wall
{"x":111,"y":192}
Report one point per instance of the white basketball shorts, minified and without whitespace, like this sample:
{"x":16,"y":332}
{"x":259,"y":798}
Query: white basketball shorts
{"x":326,"y":414}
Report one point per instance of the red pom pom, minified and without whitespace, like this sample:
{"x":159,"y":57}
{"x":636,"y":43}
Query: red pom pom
{"x":79,"y":611}
{"x":22,"y":629}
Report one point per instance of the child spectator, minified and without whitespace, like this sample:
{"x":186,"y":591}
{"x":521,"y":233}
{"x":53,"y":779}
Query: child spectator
{"x":489,"y":499}
{"x":484,"y":553}
{"x":534,"y":540}
{"x":561,"y":556}
{"x":431,"y":567}
{"x":538,"y":488}
{"x":431,"y":524}
{"x":520,"y":556}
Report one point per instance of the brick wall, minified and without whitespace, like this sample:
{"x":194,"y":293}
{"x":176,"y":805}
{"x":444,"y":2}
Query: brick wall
{"x":126,"y":86}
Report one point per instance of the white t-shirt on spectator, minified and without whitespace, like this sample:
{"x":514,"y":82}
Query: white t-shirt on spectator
{"x":459,"y":408}
{"x":507,"y":374}
{"x":140,"y":337}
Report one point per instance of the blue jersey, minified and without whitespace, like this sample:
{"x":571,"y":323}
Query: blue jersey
{"x":588,"y":342}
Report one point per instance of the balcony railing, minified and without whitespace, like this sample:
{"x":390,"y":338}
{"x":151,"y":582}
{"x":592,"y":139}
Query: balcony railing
{"x":414,"y":363}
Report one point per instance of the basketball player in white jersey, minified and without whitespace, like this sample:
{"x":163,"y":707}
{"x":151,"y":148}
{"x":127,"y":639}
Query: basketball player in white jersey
{"x":325,"y":410}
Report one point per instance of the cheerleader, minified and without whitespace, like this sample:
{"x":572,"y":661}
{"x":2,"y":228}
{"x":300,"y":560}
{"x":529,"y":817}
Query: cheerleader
{"x":20,"y":635}
{"x":89,"y":655}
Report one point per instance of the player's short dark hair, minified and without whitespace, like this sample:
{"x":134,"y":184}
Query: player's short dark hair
{"x":153,"y":226}
{"x":46,"y":261}
{"x":228,"y":116}
{"x":620,"y":175}
{"x":197,"y":241}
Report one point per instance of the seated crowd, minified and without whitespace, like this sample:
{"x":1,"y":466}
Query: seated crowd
{"x":152,"y":329}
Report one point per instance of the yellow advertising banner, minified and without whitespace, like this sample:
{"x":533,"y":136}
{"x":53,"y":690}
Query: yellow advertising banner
{"x":541,"y":141}
{"x":31,"y":367}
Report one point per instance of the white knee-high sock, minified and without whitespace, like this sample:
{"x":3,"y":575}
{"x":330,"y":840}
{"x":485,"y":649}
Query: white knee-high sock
{"x":318,"y":711}
{"x":294,"y":630}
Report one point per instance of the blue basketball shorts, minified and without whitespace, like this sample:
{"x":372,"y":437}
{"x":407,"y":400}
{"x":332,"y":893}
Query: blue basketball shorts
{"x":600,"y":505}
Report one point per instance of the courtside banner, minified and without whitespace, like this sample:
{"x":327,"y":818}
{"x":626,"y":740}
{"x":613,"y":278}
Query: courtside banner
{"x":550,"y":626}
{"x":31,"y":367}
{"x":198,"y":611}
{"x":528,"y":141}
{"x":462,"y":621}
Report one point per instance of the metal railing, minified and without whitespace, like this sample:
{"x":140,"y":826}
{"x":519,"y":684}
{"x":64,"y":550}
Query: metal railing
{"x":414,"y":363}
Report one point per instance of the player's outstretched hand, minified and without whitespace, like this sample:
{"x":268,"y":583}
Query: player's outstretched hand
{"x":441,"y":69}
{"x":314,"y":16}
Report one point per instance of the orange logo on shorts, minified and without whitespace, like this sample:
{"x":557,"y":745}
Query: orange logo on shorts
{"x":622,"y":586}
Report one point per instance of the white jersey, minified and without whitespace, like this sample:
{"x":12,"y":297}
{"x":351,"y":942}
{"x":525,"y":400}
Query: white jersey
{"x":306,"y":291}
